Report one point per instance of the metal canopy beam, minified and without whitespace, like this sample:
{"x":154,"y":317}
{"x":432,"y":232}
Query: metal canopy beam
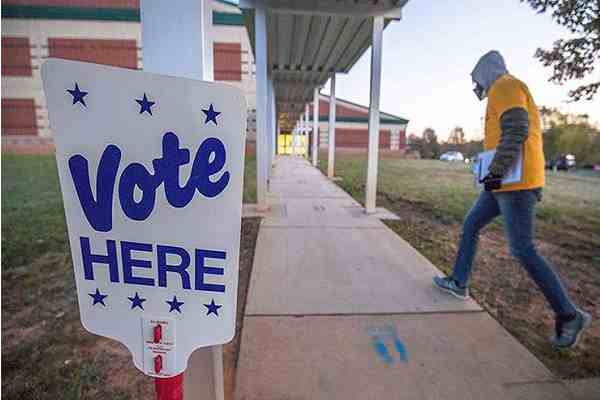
{"x":307,"y":40}
{"x":368,"y":8}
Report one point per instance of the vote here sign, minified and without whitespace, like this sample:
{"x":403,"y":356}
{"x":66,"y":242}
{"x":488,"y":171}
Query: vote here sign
{"x":151,"y":171}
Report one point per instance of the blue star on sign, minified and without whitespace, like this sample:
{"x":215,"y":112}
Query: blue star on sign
{"x":136,"y":301}
{"x":211,"y":114}
{"x":145,"y":104}
{"x":98,"y":297}
{"x":78,"y":95}
{"x":213,"y":308}
{"x":175,"y":304}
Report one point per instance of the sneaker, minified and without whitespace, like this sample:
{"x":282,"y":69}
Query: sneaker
{"x":568,"y":333}
{"x":449,"y":285}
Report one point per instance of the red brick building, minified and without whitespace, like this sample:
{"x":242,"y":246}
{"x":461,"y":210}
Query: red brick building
{"x":109,"y":32}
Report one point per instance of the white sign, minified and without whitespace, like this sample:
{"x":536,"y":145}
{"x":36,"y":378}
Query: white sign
{"x":151,"y":171}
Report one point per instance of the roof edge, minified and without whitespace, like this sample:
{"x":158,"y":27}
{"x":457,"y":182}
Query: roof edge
{"x":383,"y":114}
{"x":76,"y":13}
{"x":382,"y":120}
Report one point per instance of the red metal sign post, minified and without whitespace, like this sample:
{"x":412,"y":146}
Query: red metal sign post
{"x":169,"y":388}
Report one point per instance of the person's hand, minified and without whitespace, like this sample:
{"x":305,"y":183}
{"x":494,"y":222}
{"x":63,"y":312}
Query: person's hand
{"x":491,"y":182}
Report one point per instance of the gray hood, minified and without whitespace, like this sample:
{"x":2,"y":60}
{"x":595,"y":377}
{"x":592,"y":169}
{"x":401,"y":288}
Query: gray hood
{"x":490,"y":67}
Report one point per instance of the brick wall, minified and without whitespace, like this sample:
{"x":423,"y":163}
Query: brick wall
{"x":403,"y":144}
{"x":76,"y":3}
{"x":18,"y":117}
{"x":359,"y":138}
{"x":16,"y":56}
{"x":116,"y":52}
{"x":227,"y":59}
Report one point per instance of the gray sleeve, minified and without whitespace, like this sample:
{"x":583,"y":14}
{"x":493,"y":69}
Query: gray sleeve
{"x":514,"y":124}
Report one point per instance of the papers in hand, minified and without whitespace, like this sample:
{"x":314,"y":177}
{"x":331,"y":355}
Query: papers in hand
{"x":482,"y":167}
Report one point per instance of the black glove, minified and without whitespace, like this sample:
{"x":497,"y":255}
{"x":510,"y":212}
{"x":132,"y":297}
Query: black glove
{"x":491,"y":182}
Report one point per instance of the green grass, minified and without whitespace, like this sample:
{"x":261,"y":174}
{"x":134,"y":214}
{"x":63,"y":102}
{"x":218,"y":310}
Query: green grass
{"x":46,"y":354}
{"x":250,"y":179}
{"x":33,"y":221}
{"x":432,"y":197}
{"x":448,"y":190}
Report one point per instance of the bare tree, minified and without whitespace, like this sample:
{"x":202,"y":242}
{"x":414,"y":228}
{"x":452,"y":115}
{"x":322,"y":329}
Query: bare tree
{"x":457,"y":136}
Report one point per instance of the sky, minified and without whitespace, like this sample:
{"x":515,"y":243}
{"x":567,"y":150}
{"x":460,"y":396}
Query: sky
{"x":428,"y":57}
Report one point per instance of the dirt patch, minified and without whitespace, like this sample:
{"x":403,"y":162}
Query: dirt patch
{"x":504,"y":288}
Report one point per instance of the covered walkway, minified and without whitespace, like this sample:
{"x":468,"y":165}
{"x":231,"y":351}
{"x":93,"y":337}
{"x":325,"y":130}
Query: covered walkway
{"x":298,"y":46}
{"x":340,"y":307}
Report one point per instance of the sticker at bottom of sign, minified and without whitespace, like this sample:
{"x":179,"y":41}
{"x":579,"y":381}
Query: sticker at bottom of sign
{"x":159,"y":346}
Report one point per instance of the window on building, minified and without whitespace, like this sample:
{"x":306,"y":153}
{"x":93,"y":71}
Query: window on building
{"x":16,"y":56}
{"x":115,"y":52}
{"x":227,"y":61}
{"x":18,"y":117}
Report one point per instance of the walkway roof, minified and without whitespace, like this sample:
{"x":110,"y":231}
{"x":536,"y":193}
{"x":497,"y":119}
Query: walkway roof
{"x":307,"y":39}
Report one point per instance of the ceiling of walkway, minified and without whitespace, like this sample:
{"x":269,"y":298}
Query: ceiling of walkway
{"x":307,"y":39}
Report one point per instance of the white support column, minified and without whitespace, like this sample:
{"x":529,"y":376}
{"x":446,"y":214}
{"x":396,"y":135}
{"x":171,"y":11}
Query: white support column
{"x":306,"y":130}
{"x":331,"y":128}
{"x":262,"y":88}
{"x":183,"y":39}
{"x":274,"y":124}
{"x":315,"y":131}
{"x":302,"y":138}
{"x":278,"y":132}
{"x":294,"y":132}
{"x":269,"y":136}
{"x":209,"y":67}
{"x":301,"y":132}
{"x":373,"y":156}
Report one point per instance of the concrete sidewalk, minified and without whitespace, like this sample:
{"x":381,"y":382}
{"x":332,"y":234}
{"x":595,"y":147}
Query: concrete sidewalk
{"x":340,"y":307}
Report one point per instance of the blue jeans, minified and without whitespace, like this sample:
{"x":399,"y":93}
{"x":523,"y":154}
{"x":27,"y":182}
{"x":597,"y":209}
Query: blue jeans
{"x":517,"y":208}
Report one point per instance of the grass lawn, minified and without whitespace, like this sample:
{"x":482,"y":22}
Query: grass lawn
{"x":46,"y":353}
{"x":432,"y":198}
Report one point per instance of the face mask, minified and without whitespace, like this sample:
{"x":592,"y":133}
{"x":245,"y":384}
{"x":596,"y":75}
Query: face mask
{"x":479,"y":91}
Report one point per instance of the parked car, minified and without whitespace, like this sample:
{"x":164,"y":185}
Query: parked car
{"x":452,"y":156}
{"x":564,"y":162}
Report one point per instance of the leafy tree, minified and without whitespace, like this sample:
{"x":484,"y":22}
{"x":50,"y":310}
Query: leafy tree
{"x":415,"y":143}
{"x":573,"y":58}
{"x":582,"y":140}
{"x":570,"y":134}
{"x":551,"y":138}
{"x":431,"y":147}
{"x":472,"y":148}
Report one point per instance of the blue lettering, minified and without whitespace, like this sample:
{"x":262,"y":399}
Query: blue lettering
{"x":209,"y":161}
{"x":202,"y":269}
{"x":205,"y":168}
{"x":163,"y":267}
{"x":137,"y":175}
{"x":129,"y":263}
{"x":98,"y":212}
{"x":168,"y":167}
{"x":89,"y":259}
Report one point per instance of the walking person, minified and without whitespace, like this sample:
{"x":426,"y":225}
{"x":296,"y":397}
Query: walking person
{"x":512,"y":126}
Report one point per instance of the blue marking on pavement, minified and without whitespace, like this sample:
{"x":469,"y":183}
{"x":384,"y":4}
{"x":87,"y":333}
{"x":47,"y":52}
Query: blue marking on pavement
{"x":382,"y":350}
{"x":379,"y":335}
{"x":401,"y":350}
